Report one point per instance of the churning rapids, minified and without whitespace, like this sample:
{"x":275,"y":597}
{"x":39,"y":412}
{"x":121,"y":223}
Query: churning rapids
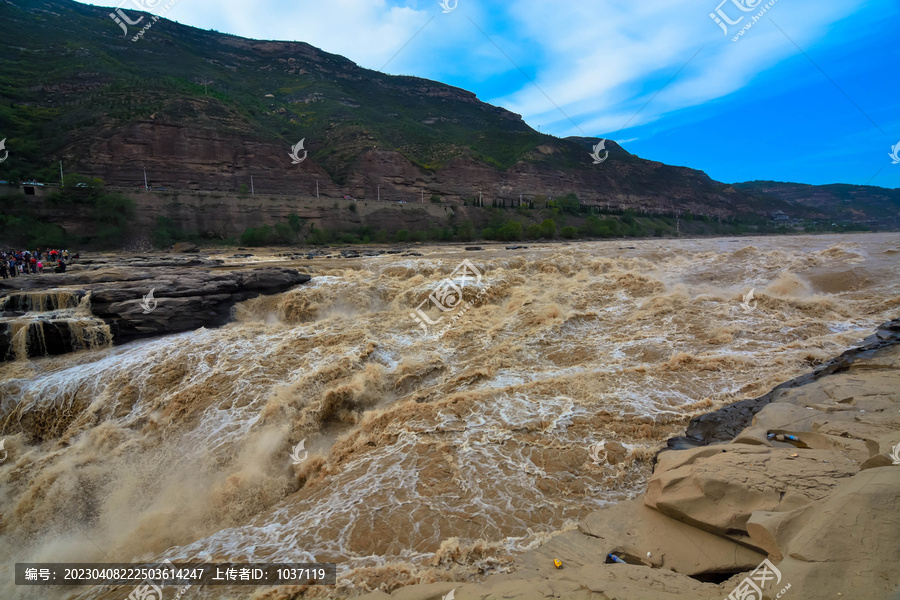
{"x":431,"y":457}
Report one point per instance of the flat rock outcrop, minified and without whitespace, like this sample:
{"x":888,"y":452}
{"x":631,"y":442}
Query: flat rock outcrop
{"x":59,"y":313}
{"x":717,"y":488}
{"x":183,"y":299}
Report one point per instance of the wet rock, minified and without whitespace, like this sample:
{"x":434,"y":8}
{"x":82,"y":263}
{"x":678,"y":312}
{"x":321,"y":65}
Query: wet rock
{"x":184,"y":300}
{"x":724,"y":424}
{"x":185,"y":247}
{"x":473,"y":248}
{"x":23,"y":302}
{"x":50,"y":337}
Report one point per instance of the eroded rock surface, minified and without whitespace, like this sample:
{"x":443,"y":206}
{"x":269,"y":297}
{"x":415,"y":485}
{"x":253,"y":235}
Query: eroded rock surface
{"x":122,"y":303}
{"x":809,"y":482}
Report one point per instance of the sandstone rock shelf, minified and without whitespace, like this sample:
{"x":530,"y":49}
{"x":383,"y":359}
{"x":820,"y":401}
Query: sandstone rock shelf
{"x":808,"y":483}
{"x":112,"y":301}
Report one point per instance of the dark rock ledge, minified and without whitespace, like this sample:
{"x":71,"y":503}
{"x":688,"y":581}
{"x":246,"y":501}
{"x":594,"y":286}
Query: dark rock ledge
{"x":183,"y":299}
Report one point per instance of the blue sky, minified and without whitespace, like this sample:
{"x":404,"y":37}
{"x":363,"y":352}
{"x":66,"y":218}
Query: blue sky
{"x":810,"y":92}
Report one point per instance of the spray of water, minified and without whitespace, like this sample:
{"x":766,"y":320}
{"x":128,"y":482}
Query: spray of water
{"x":431,"y":456}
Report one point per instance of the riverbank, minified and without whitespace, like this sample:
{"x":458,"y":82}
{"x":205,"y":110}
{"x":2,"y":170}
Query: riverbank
{"x":102,"y":301}
{"x":438,"y":455}
{"x":809,"y":485}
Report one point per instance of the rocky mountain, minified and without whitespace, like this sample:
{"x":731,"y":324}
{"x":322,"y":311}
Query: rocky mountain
{"x":204,"y":110}
{"x":199,"y":110}
{"x":842,"y":202}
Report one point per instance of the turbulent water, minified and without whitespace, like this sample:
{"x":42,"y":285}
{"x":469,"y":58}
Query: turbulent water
{"x":432,"y":456}
{"x":30,"y":317}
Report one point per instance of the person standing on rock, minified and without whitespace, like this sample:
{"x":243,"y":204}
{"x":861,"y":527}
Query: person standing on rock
{"x":4,"y":269}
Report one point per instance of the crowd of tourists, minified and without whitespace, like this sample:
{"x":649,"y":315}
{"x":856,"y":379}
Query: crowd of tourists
{"x":23,"y":262}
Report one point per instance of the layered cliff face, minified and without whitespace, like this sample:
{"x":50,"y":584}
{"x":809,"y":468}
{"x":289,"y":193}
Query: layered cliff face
{"x":841,"y":201}
{"x":202,"y":110}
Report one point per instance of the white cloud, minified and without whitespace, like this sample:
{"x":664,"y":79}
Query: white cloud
{"x":599,"y":61}
{"x":366,"y":31}
{"x":606,"y":63}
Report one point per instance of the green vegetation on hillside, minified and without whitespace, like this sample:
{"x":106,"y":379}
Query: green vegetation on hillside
{"x":23,"y":225}
{"x":79,"y":90}
{"x":565,"y":218}
{"x":81,"y":80}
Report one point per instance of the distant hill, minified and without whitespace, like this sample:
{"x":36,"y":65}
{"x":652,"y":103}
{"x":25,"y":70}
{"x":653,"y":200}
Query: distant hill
{"x":840,"y":201}
{"x":207,"y":110}
{"x":204,"y":110}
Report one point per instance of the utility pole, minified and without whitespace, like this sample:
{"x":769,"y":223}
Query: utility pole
{"x":205,"y":81}
{"x":60,"y":174}
{"x":146,"y":187}
{"x":252,"y":191}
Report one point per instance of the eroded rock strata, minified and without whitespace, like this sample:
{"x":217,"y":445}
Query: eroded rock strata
{"x":53,"y":314}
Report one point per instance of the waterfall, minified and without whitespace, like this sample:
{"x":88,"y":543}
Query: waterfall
{"x":48,"y":323}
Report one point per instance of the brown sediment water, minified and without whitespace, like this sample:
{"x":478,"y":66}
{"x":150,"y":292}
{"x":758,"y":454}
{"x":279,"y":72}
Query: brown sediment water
{"x":24,"y":317}
{"x":38,"y":302}
{"x":432,"y":456}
